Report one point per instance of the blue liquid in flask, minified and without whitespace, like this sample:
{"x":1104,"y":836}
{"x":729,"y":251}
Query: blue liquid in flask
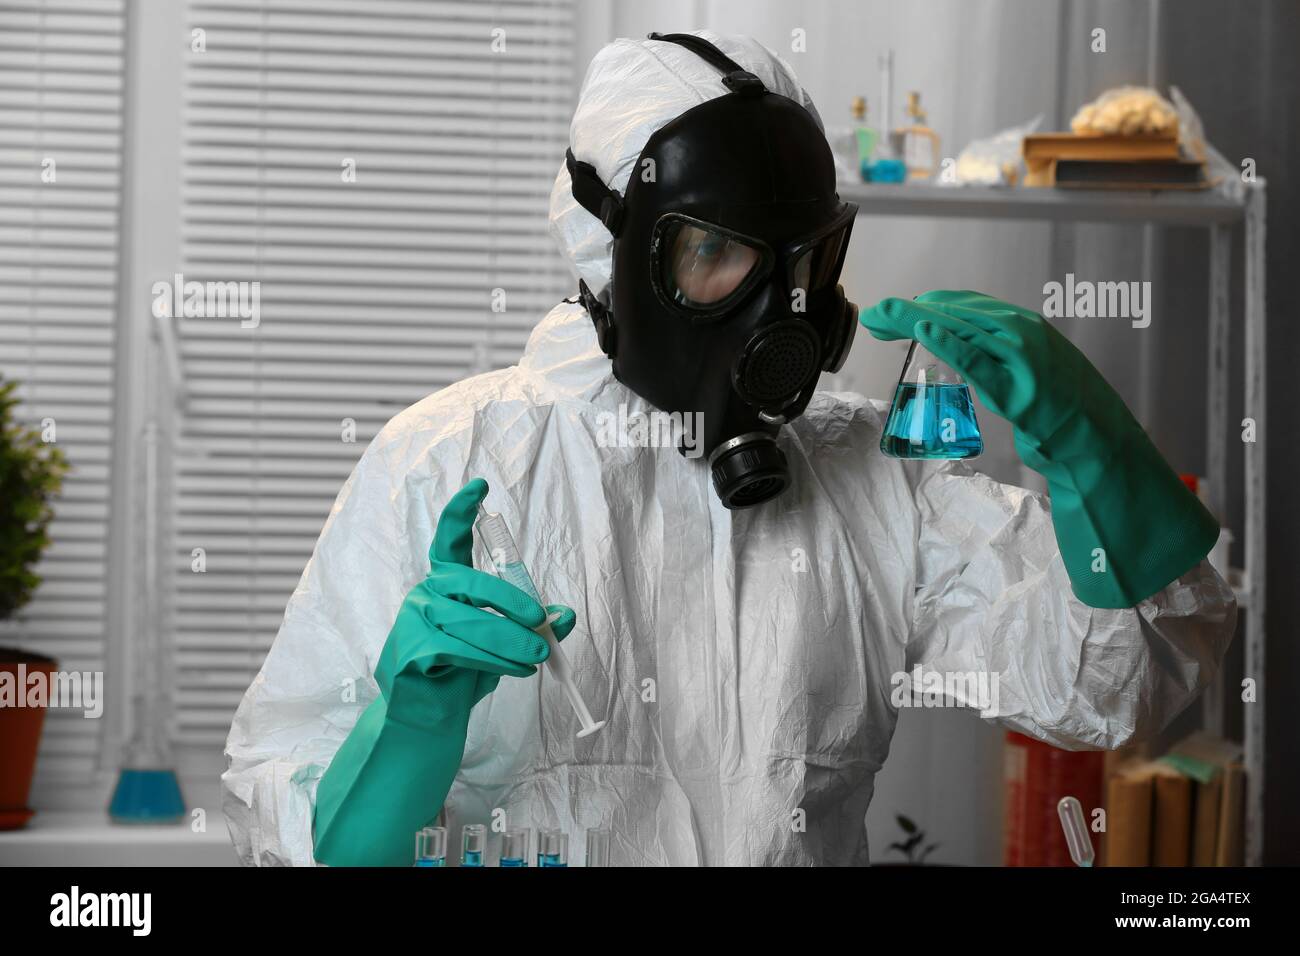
{"x":147,"y":796}
{"x":472,"y":858}
{"x":513,"y":861}
{"x":932,"y":421}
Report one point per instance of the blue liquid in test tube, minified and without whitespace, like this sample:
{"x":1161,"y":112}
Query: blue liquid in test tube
{"x":473,"y":842}
{"x":514,"y":847}
{"x":431,"y":847}
{"x":553,"y":849}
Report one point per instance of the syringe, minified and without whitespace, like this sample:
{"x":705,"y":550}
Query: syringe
{"x":510,"y":566}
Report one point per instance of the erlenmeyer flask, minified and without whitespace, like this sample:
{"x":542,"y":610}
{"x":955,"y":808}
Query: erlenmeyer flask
{"x":147,"y":790}
{"x":933,"y":415}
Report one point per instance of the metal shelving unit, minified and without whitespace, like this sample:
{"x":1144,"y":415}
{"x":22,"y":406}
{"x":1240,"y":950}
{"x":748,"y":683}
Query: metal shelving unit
{"x":1218,"y":211}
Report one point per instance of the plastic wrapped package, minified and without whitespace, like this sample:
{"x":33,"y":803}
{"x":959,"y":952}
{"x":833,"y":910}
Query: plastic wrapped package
{"x":1127,"y":111}
{"x":995,"y":160}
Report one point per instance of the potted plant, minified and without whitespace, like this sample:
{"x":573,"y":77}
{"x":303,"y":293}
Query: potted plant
{"x":912,"y":846}
{"x":31,"y":475}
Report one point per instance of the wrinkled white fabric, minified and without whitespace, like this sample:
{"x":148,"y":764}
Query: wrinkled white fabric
{"x":743,"y":660}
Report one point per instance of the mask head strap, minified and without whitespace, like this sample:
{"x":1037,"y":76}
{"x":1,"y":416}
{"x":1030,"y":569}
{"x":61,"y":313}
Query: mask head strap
{"x":601,"y":317}
{"x":590,"y":190}
{"x":734,"y":76}
{"x":592,"y":193}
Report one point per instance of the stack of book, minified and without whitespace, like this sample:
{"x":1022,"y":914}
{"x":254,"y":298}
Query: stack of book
{"x":1070,"y":160}
{"x":1185,"y":809}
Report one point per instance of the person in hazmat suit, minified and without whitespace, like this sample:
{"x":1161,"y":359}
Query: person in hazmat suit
{"x":743,"y":594}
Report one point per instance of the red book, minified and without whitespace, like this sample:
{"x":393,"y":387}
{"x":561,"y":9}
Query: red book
{"x":1036,"y":776}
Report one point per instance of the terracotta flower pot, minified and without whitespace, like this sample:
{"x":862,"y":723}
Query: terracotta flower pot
{"x":20,"y":736}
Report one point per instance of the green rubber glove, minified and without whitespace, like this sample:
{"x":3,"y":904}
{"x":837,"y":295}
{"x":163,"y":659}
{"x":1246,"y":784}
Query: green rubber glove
{"x":444,"y":654}
{"x":1110,"y":487}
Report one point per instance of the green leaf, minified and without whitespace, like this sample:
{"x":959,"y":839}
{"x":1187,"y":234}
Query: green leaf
{"x":31,"y":476}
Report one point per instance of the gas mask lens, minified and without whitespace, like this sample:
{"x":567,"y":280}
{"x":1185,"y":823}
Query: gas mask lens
{"x":701,"y":266}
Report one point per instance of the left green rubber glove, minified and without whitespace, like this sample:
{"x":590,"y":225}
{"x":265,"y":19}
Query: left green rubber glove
{"x":1111,"y":489}
{"x":444,"y":654}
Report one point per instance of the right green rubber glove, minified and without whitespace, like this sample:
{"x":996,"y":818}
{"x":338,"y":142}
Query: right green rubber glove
{"x":444,"y":654}
{"x":1125,"y":523}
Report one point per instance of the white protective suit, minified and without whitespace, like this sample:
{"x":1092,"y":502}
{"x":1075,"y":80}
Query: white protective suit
{"x":743,"y":659}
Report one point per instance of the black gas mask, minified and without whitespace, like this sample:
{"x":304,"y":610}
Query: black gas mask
{"x":728,"y":244}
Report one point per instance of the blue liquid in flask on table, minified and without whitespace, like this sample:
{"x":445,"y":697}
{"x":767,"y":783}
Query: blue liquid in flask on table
{"x":513,"y":861}
{"x":147,"y":796}
{"x":472,"y":858}
{"x":551,"y":860}
{"x":932,"y":421}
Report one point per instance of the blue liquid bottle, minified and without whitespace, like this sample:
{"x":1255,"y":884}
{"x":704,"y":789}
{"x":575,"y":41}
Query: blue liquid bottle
{"x":933,"y":414}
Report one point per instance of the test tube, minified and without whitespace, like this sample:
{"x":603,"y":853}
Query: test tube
{"x":553,"y":849}
{"x":473,"y":841}
{"x":1077,"y":837}
{"x":510,"y":566}
{"x":431,"y":847}
{"x":598,"y":839}
{"x":514,"y":847}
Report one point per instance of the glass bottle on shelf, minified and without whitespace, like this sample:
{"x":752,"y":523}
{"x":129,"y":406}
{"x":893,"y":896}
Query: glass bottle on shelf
{"x":864,"y":136}
{"x":919,"y":145}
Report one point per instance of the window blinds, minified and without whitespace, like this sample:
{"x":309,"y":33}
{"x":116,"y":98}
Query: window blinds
{"x":61,"y":140}
{"x":383,"y":171}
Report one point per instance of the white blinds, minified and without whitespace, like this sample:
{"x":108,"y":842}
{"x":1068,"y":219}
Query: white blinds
{"x":374,"y":292}
{"x":61,"y":132}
